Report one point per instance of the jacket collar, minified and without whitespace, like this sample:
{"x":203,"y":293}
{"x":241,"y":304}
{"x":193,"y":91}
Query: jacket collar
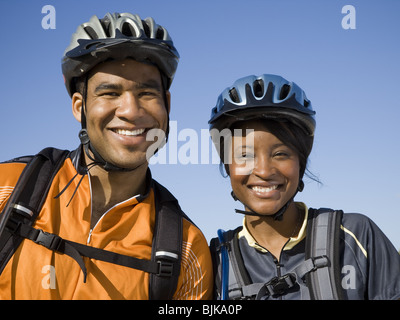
{"x":78,"y":163}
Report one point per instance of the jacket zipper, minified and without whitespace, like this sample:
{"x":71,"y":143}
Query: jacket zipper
{"x":278,"y":265}
{"x":91,"y":230}
{"x":91,"y":208}
{"x":91,"y":213}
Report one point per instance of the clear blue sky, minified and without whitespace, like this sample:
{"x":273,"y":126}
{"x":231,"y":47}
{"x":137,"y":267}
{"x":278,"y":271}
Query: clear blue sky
{"x":351,"y":77}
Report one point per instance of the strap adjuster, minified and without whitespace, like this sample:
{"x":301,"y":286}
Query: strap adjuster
{"x":19,"y":213}
{"x":48,"y":240}
{"x":320,"y":262}
{"x":165,"y":269}
{"x":13,"y":224}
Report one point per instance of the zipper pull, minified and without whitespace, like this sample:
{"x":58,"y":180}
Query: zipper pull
{"x":90,"y":236}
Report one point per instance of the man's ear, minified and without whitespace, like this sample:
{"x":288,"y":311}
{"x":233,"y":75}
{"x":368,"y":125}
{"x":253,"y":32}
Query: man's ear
{"x":77,"y":103}
{"x":168,"y":102}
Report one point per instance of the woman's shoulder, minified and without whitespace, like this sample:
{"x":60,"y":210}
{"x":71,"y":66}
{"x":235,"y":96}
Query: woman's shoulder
{"x":358,"y":223}
{"x":360,"y":231}
{"x":352,"y":220}
{"x":226,"y":235}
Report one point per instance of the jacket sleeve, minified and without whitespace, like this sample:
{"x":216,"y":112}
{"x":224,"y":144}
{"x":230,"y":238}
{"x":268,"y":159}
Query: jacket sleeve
{"x":383,"y":265}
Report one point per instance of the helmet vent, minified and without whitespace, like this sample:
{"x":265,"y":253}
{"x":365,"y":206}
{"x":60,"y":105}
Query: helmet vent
{"x":128,"y":30}
{"x":106,"y":23}
{"x":258,"y":88}
{"x":284,"y":92}
{"x":146,"y":29}
{"x":107,"y":29}
{"x":91,"y":33}
{"x":160,"y":33}
{"x":234,"y":95}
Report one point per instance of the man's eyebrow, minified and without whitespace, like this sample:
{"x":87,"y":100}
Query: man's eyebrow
{"x":107,"y":86}
{"x":149,"y":84}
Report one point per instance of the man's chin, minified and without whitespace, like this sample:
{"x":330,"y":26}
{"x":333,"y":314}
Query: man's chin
{"x":130,"y":165}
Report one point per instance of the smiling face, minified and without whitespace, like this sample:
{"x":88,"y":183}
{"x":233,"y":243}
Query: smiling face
{"x":264,"y":172}
{"x":125,"y":100}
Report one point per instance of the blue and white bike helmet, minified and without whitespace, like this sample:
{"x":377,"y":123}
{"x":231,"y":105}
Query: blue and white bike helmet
{"x":267,"y":96}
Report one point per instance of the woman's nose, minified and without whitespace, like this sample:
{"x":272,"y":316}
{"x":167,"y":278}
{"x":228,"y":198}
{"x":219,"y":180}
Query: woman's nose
{"x":264,"y":168}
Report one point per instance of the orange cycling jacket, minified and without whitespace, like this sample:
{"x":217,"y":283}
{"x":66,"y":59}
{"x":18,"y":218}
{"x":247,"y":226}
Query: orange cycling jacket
{"x":35,"y":272}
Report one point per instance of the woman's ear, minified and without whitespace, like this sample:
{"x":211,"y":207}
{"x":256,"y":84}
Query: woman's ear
{"x":168,"y":102}
{"x":300,"y":187}
{"x":77,"y":104}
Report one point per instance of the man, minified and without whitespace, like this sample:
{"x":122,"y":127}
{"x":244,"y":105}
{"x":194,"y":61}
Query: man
{"x":117,"y":71}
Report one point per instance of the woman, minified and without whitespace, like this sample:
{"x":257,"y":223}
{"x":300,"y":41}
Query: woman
{"x":285,"y":250}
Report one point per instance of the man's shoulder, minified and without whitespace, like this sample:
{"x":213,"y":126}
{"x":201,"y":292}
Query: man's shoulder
{"x":49,"y":153}
{"x":163,"y":196}
{"x":10,"y":170}
{"x":14,"y":167}
{"x":162,"y":193}
{"x":21,"y":159}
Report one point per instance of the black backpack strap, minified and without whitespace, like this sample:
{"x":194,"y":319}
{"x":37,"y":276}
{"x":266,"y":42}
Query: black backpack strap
{"x":323,"y":241}
{"x":27,"y":198}
{"x":167,"y":244}
{"x":77,"y":250}
{"x":215,"y":250}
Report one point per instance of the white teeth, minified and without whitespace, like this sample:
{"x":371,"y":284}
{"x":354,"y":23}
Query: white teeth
{"x":129,"y":132}
{"x":264,"y":189}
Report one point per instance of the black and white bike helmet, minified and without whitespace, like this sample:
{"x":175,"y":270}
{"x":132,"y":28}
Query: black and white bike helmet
{"x":268,"y":96}
{"x":118,"y":36}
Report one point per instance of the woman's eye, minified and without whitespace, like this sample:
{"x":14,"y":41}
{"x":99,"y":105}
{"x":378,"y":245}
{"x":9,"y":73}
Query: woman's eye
{"x":245,"y":156}
{"x":282,"y":154}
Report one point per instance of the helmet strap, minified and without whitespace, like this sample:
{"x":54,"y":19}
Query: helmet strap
{"x":278,"y":216}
